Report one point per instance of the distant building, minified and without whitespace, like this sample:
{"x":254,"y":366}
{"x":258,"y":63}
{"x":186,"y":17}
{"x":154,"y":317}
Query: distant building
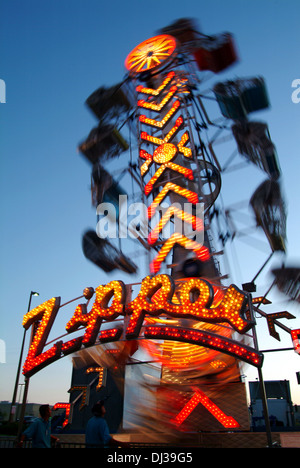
{"x":280,"y":407}
{"x":32,"y":409}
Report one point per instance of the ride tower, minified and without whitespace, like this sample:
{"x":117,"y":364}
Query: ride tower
{"x":180,"y":177}
{"x":181,"y":183}
{"x":167,"y":350}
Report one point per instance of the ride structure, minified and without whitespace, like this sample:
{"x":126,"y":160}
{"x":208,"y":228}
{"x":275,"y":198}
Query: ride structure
{"x":195,"y":326}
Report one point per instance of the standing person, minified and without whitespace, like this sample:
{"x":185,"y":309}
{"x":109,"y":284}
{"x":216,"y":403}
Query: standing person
{"x":40,"y":430}
{"x":97,"y":431}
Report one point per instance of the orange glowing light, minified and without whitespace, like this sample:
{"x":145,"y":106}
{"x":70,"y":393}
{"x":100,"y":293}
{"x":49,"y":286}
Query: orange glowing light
{"x":295,"y":334}
{"x":67,"y":407}
{"x":160,"y":123}
{"x":186,"y":172}
{"x":44,"y":315}
{"x":113,"y":334}
{"x":199,"y":397}
{"x":71,"y":346}
{"x":158,"y":107}
{"x":92,"y":320}
{"x":196,"y":223}
{"x":146,"y":165}
{"x":85,"y":394}
{"x":151,"y":54}
{"x":164,"y":150}
{"x":275,"y":316}
{"x":204,"y":338}
{"x":157,"y":296}
{"x":204,"y":308}
{"x":164,"y":153}
{"x":177,"y":238}
{"x":192,"y":197}
{"x":180,"y":356}
{"x":101,"y":371}
{"x":156,"y":92}
{"x":187,"y":152}
{"x":158,"y":141}
{"x":260,"y":300}
{"x":229,"y":309}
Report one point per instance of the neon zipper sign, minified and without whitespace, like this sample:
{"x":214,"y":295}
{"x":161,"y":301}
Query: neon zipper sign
{"x":154,"y":299}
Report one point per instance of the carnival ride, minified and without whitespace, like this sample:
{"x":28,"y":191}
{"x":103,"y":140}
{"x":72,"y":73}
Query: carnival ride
{"x":175,"y":163}
{"x":165,"y":127}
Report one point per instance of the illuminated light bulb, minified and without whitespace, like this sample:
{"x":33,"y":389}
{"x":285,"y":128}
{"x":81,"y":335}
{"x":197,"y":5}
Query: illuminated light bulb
{"x":92,"y":320}
{"x":88,"y":293}
{"x":260,"y":300}
{"x":161,"y":291}
{"x":67,"y":407}
{"x":101,"y":371}
{"x":187,"y":152}
{"x":158,"y":141}
{"x":85,"y":393}
{"x":71,"y":346}
{"x":158,"y":107}
{"x":176,"y":238}
{"x":146,"y":165}
{"x":192,"y":197}
{"x":142,"y":303}
{"x":186,"y":172}
{"x":160,"y":123}
{"x":145,"y":155}
{"x":196,"y":223}
{"x":204,"y":338}
{"x":151,"y":53}
{"x":113,"y":334}
{"x":164,"y":153}
{"x":45,"y":315}
{"x":217,"y":364}
{"x":295,"y":335}
{"x":156,"y":92}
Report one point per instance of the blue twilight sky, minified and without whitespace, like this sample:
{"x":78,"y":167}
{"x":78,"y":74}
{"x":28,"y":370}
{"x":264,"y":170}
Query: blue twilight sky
{"x":54,"y":53}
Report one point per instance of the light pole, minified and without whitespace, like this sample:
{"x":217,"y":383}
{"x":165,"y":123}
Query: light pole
{"x":13,"y":403}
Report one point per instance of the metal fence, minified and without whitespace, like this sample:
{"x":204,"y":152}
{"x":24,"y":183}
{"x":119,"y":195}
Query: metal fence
{"x":10,"y":442}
